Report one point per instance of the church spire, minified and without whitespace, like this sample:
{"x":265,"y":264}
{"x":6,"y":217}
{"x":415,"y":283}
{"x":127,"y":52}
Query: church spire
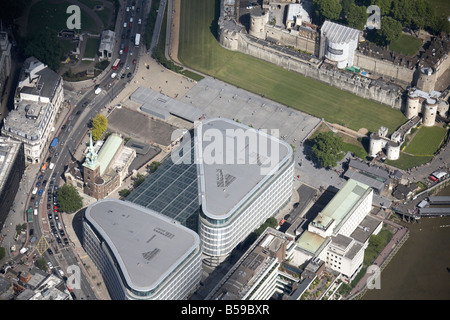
{"x":91,"y":156}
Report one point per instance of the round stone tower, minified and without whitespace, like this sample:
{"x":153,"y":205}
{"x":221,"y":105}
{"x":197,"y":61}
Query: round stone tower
{"x":393,"y":150}
{"x":413,"y":105}
{"x":429,"y":112}
{"x":258,"y":19}
{"x":376,"y":144}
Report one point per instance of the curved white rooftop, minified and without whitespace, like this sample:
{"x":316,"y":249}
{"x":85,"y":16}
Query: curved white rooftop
{"x":246,"y":165}
{"x":147,"y":245}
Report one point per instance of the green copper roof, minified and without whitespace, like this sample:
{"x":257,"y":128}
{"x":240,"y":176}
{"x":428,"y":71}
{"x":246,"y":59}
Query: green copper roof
{"x":108,"y":151}
{"x":342,"y":203}
{"x":310,"y":241}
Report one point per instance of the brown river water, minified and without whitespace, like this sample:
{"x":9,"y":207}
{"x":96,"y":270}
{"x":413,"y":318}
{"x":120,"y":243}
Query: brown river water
{"x":421,"y":268}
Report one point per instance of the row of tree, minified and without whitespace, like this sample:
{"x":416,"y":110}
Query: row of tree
{"x":395,"y":14}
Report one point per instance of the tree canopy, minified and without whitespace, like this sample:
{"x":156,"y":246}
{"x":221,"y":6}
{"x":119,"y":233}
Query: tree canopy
{"x":357,"y":16}
{"x":99,"y":126}
{"x":390,"y":30}
{"x":327,"y":9}
{"x":413,"y":14}
{"x":69,"y":200}
{"x":327,"y":149}
{"x":45,"y":47}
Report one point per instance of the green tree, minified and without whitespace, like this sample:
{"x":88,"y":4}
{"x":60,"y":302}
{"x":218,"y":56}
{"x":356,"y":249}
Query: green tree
{"x":154,"y":166}
{"x":439,"y":24}
{"x":390,"y":30}
{"x":376,"y":242}
{"x":45,"y":47}
{"x":384,"y":5}
{"x":139,"y":179}
{"x":124,"y":193}
{"x":327,"y":9}
{"x":327,"y":149}
{"x":402,"y":11}
{"x":99,"y":126}
{"x":69,"y":200}
{"x":357,"y":17}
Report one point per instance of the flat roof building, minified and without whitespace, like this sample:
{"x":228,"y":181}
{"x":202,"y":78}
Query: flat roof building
{"x":255,"y":275}
{"x":39,"y":95}
{"x":141,"y":254}
{"x":345,"y":211}
{"x":339,"y":234}
{"x":245,"y":177}
{"x":12,"y":167}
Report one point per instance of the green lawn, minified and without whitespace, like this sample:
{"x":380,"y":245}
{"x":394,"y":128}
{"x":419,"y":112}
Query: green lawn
{"x":199,"y":49}
{"x":406,"y":44}
{"x":91,"y":47}
{"x":426,"y":141}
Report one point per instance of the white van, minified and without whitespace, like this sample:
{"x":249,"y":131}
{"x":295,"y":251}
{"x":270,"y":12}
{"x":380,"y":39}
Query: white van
{"x":34,"y":190}
{"x":98,"y":90}
{"x":35,"y":212}
{"x":59,"y":225}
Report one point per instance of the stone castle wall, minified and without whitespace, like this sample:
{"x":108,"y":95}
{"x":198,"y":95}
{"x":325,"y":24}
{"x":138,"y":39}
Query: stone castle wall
{"x":232,"y":37}
{"x":384,"y":68}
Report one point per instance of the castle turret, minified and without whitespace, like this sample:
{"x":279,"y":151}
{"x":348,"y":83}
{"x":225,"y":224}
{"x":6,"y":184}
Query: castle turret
{"x":427,"y":79}
{"x":413,"y":105}
{"x":429,"y":112}
{"x":393,"y":150}
{"x":376,"y":144}
{"x":258,"y":19}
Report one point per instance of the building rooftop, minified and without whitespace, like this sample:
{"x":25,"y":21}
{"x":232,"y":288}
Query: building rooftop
{"x":341,"y":204}
{"x":365,"y":229}
{"x":107,"y":41}
{"x":37,"y":79}
{"x":233,"y":164}
{"x":8,"y":151}
{"x":27,"y":120}
{"x":251,"y":267}
{"x":310,"y":241}
{"x":162,"y":106}
{"x":172,"y":190}
{"x":147,"y":246}
{"x":108,"y":151}
{"x":338,"y":33}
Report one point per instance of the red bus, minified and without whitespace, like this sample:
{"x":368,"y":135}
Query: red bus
{"x":116,"y":64}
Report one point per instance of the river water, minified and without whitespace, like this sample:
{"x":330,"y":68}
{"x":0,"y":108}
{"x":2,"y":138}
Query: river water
{"x":421,"y":268}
